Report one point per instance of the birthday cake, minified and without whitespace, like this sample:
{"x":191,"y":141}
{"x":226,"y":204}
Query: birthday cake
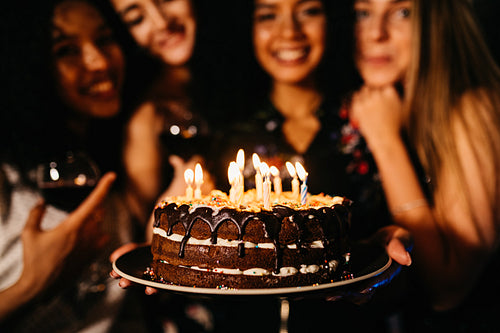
{"x":213,"y":242}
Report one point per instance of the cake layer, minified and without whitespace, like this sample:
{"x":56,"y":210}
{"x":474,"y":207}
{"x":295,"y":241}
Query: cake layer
{"x":206,"y":278}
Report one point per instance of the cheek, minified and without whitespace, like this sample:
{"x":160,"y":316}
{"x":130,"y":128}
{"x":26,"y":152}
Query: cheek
{"x":141,"y":35}
{"x":66,"y":76}
{"x":261,"y":38}
{"x":405,"y":54}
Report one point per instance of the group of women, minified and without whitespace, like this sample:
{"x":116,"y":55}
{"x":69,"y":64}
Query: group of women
{"x":394,"y":104}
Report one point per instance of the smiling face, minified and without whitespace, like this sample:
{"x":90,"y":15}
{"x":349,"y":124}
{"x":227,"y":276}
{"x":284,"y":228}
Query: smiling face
{"x":383,"y":40}
{"x":166,"y":28}
{"x":88,"y":62}
{"x":289,"y":38}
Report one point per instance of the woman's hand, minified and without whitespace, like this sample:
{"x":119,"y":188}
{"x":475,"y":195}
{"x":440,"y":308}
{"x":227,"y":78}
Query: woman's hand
{"x":377,"y":113}
{"x":398,"y":244}
{"x":48,"y":253}
{"x":396,"y":241}
{"x":124,"y":283}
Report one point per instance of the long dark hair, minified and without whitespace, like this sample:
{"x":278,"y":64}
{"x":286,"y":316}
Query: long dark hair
{"x":34,"y":121}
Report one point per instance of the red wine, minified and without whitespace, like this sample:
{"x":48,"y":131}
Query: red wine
{"x":65,"y":197}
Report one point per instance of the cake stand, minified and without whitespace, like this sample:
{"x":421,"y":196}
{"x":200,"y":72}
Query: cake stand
{"x":370,"y":268}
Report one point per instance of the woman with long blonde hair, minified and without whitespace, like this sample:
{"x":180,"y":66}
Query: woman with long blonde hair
{"x":429,"y":109}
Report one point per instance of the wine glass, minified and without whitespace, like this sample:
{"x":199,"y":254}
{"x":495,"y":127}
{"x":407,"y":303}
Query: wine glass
{"x":184,"y":132}
{"x":66,"y":181}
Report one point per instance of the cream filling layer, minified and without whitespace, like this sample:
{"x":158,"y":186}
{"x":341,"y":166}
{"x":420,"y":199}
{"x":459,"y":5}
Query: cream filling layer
{"x":229,"y":243}
{"x":284,"y":271}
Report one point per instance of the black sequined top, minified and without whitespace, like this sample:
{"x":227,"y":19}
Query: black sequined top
{"x":337,"y":161}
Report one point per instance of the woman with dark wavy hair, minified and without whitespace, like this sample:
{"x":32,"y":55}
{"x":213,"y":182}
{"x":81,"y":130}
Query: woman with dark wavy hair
{"x":65,"y":94}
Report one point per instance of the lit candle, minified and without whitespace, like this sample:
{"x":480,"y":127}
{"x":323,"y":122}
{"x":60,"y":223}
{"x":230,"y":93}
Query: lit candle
{"x":295,"y":181}
{"x":189,"y":178}
{"x":240,"y":161}
{"x":258,"y":176}
{"x":276,"y":180}
{"x":232,"y":174}
{"x":303,"y":176}
{"x":198,"y":180}
{"x":266,"y":186}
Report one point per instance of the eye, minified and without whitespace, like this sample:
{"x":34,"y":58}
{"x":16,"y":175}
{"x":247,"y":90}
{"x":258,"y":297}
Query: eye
{"x":361,"y":14}
{"x":135,"y":21}
{"x":105,"y":39}
{"x":264,"y":16}
{"x":66,"y":50}
{"x":313,"y":10}
{"x":403,"y":12}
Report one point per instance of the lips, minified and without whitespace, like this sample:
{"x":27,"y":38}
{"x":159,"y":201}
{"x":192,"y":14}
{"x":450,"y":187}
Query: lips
{"x":103,"y":89}
{"x":291,"y":55}
{"x":171,"y":37}
{"x":377,"y":60}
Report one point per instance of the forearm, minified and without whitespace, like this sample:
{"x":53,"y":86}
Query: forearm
{"x":14,"y":297}
{"x":446,"y":265}
{"x":406,"y":200}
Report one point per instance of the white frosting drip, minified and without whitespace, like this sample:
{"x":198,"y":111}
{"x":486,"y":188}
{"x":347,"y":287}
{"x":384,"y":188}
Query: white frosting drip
{"x":220,"y":241}
{"x":286,"y":271}
{"x":304,"y":269}
{"x":333,"y":264}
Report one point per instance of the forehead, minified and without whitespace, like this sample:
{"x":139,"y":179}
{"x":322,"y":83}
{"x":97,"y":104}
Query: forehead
{"x":284,"y":2}
{"x":382,"y":1}
{"x":75,"y":17}
{"x":127,"y":3}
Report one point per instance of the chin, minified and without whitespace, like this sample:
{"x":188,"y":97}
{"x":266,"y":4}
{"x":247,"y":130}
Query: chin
{"x":106,"y":110}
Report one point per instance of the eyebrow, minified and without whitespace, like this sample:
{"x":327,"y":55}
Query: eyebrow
{"x":59,"y":36}
{"x":272,"y":5}
{"x":128,"y":9}
{"x":391,"y":1}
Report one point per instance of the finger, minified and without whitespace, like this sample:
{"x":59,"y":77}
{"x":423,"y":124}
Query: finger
{"x":94,"y":199}
{"x":114,"y":275}
{"x":35,"y":216}
{"x":122,"y":250}
{"x":176,"y":161}
{"x":124,"y":283}
{"x":150,"y":291}
{"x":397,"y":251}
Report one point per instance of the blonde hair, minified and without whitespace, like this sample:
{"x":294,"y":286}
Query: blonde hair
{"x":451,"y":62}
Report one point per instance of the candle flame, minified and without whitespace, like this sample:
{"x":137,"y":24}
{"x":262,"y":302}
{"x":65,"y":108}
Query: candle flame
{"x":189,"y":176}
{"x":232,"y":172}
{"x":291,"y":169}
{"x":256,"y":161}
{"x":264,"y":169}
{"x":274,"y":171}
{"x":198,"y":174}
{"x":301,"y":171}
{"x":240,"y":159}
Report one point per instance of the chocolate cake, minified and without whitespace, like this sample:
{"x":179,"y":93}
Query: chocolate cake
{"x":213,"y":243}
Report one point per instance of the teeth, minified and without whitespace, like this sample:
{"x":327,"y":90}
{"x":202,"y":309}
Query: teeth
{"x":101,"y":87}
{"x":290,"y":55}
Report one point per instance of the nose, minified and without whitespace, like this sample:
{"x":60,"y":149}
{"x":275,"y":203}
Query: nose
{"x":290,"y":27}
{"x":158,"y":20}
{"x":378,"y":29}
{"x":93,"y":58}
